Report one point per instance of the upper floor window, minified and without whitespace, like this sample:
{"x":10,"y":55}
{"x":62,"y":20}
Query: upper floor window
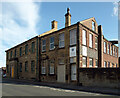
{"x":84,"y":62}
{"x":11,"y":54}
{"x":73,"y":37}
{"x":33,"y":47}
{"x":90,"y":62}
{"x":43,"y":45}
{"x":93,"y":25}
{"x":26,"y":66}
{"x":111,"y":50}
{"x":61,"y":40}
{"x":20,"y":51}
{"x":96,"y":43}
{"x":51,"y":43}
{"x":90,"y":40}
{"x":108,"y":49}
{"x":33,"y":66}
{"x":15,"y":52}
{"x":84,"y":37}
{"x":104,"y":47}
{"x":26,"y":49}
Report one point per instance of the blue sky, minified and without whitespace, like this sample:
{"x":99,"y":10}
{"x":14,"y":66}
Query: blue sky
{"x":22,"y":21}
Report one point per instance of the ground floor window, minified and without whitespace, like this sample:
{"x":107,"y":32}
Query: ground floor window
{"x":26,"y":66}
{"x":7,"y":68}
{"x":84,"y":62}
{"x":43,"y":67}
{"x":105,"y":64}
{"x":109,"y":64}
{"x":33,"y":66}
{"x":96,"y":63}
{"x":51,"y":67}
{"x":90,"y":62}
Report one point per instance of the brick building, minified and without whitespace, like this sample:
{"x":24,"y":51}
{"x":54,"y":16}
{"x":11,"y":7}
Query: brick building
{"x":57,"y":55}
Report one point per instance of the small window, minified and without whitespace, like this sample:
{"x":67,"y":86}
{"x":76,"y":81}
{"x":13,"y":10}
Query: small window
{"x":51,"y":43}
{"x":93,"y":25}
{"x":90,"y":62}
{"x":20,"y":67}
{"x":33,"y":66}
{"x":26,"y":66}
{"x":96,"y":63}
{"x":43,"y":45}
{"x":90,"y":40}
{"x":84,"y":62}
{"x":108,"y":49}
{"x":111,"y":50}
{"x":61,"y":40}
{"x":104,"y":47}
{"x":108,"y":64}
{"x":105,"y":64}
{"x":26,"y":49}
{"x":84,"y":37}
{"x":33,"y":47}
{"x":15,"y":52}
{"x":20,"y":51}
{"x":11,"y":54}
{"x":96,"y":43}
{"x":73,"y":37}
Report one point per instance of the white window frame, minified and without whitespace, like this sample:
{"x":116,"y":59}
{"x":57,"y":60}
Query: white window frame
{"x":96,"y":43}
{"x":61,"y":40}
{"x":72,"y":37}
{"x":97,"y":63}
{"x":90,"y":40}
{"x":105,"y":64}
{"x":104,"y":47}
{"x":85,"y":58}
{"x":84,"y":33}
{"x":90,"y":59}
{"x":52,"y":70}
{"x":43,"y":46}
{"x":52,"y":43}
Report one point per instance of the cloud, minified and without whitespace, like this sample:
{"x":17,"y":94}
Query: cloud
{"x":115,"y":9}
{"x":18,"y":22}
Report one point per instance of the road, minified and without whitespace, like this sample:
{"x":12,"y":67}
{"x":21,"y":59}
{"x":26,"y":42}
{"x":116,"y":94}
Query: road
{"x":26,"y":89}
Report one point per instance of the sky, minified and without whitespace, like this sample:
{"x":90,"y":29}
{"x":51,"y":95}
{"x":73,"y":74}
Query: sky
{"x":20,"y":21}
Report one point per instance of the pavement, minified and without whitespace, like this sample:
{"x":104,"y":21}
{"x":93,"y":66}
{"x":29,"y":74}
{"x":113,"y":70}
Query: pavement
{"x":60,"y":88}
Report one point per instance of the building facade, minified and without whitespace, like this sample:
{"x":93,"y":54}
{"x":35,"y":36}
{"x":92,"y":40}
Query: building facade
{"x":57,"y":55}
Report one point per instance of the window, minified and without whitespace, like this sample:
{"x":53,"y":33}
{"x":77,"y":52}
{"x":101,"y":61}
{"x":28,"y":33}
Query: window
{"x":93,"y":25}
{"x":61,"y":61}
{"x":61,"y":40}
{"x":96,"y":63}
{"x":43,"y":68}
{"x":73,"y":37}
{"x":20,"y":67}
{"x":33,"y":47}
{"x":51,"y":43}
{"x":90,"y":40}
{"x":116,"y":65}
{"x":83,"y":37}
{"x":72,"y":51}
{"x":84,"y":62}
{"x":7,"y":68}
{"x":33,"y":66}
{"x":26,"y":49}
{"x":111,"y":50}
{"x":105,"y":64}
{"x":11,"y":54}
{"x":104,"y":47}
{"x":51,"y":67}
{"x":90,"y":62}
{"x":43,"y":45}
{"x":108,"y":49}
{"x":26,"y":66}
{"x":20,"y":51}
{"x":15,"y":52}
{"x":112,"y":64}
{"x":96,"y":43}
{"x":109,"y":64}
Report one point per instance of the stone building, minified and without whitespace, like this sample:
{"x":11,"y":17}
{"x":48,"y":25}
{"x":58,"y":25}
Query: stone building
{"x":57,"y":55}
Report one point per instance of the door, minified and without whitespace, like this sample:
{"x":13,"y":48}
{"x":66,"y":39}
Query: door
{"x":61,"y":73}
{"x":12,"y":71}
{"x":73,"y":72}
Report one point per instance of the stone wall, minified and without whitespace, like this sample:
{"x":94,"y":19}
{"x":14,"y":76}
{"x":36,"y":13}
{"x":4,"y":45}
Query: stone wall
{"x":100,"y":77}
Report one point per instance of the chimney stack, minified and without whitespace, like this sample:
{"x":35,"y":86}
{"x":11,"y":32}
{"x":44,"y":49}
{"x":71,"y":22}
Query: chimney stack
{"x":67,"y":18}
{"x":54,"y":24}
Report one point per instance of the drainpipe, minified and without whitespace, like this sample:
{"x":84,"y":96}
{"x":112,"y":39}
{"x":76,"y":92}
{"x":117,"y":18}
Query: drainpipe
{"x":78,"y":51}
